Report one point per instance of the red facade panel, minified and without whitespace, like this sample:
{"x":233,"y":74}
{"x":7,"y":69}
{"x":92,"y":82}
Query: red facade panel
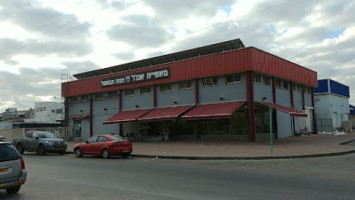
{"x":270,"y":64}
{"x":247,"y":59}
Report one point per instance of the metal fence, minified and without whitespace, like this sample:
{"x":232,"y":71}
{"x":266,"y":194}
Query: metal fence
{"x":324,"y":125}
{"x":62,"y":132}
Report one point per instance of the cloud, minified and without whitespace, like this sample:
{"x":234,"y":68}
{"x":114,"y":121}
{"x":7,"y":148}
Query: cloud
{"x":51,"y":23}
{"x":30,"y":85}
{"x":125,"y":56}
{"x":174,"y":10}
{"x":80,"y":67}
{"x":139,"y":31}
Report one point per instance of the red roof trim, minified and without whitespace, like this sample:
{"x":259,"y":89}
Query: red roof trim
{"x":291,"y":111}
{"x":213,"y":111}
{"x":169,"y":113}
{"x":241,"y":60}
{"x":126,"y":116}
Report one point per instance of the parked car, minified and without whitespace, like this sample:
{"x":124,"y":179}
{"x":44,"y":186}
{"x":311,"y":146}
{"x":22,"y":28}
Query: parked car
{"x":12,"y":168}
{"x":40,"y":142}
{"x":104,"y":145}
{"x":3,"y":139}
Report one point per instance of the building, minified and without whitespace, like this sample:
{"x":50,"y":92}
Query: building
{"x":331,"y":105}
{"x":9,"y":114}
{"x":49,"y":112}
{"x":220,"y":91}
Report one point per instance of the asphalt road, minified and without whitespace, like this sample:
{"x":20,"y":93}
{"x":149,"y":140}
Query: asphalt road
{"x":66,"y":177}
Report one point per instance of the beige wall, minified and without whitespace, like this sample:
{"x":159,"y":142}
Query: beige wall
{"x":11,"y":133}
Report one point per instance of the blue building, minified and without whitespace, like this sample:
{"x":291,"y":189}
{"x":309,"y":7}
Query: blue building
{"x":331,"y":105}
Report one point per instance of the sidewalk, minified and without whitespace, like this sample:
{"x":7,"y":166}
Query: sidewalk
{"x":294,"y":147}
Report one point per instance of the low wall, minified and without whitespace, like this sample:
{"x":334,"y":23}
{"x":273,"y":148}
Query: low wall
{"x":11,"y":133}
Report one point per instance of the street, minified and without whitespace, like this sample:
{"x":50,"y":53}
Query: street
{"x":66,"y":177}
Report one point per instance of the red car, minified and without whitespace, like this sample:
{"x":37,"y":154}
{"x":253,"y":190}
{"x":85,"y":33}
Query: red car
{"x":104,"y":145}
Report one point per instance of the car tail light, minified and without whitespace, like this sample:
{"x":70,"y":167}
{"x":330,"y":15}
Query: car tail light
{"x":117,"y":143}
{"x":22,"y":163}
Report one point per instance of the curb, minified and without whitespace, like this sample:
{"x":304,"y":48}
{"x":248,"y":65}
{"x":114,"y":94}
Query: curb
{"x":271,"y":157}
{"x":239,"y":157}
{"x":245,"y":158}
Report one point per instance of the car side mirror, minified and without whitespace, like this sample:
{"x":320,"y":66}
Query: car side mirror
{"x":37,"y":138}
{"x":87,"y":142}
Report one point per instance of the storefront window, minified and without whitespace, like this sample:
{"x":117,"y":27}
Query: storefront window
{"x":236,"y":125}
{"x":262,"y":120}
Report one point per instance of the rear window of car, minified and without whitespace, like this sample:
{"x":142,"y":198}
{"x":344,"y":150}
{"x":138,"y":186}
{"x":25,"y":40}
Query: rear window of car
{"x":8,"y":152}
{"x":114,"y":138}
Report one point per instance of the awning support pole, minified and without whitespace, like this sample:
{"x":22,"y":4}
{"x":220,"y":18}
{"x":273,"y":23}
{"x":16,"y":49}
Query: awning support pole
{"x":271,"y":136}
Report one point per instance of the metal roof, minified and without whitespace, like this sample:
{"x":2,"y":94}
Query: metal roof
{"x":191,"y":53}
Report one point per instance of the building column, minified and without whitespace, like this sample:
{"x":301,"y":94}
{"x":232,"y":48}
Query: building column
{"x":91,"y":117}
{"x":274,"y":116}
{"x":292,"y":106}
{"x":155,"y":96}
{"x":313,"y":113}
{"x":250,"y":104}
{"x":120,"y":126}
{"x":197,"y":99}
{"x":273,"y":90}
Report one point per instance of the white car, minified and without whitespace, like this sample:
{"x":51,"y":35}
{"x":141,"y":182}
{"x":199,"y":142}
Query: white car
{"x":12,"y":168}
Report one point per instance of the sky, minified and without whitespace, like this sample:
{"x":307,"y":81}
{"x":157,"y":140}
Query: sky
{"x":43,"y":43}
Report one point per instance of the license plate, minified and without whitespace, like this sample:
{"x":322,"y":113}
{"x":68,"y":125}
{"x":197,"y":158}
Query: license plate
{"x":3,"y":170}
{"x":125,"y":151}
{"x":59,"y":146}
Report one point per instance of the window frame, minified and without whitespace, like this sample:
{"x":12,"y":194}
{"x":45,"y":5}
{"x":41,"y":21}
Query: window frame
{"x":208,"y":80}
{"x":145,"y":90}
{"x":186,"y":85}
{"x":234,"y":80}
{"x":287,"y":86}
{"x":267,"y":78}
{"x":165,"y":87}
{"x":257,"y":78}
{"x":129,"y":92}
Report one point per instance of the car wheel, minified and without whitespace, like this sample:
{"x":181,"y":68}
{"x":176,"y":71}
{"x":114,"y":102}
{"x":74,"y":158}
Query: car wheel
{"x":105,"y":154}
{"x":61,"y":152}
{"x":13,"y":190}
{"x":125,"y":155}
{"x":20,"y":149}
{"x":41,"y":150}
{"x":78,"y":153}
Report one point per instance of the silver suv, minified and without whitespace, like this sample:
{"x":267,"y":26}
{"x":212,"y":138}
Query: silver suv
{"x":12,"y":168}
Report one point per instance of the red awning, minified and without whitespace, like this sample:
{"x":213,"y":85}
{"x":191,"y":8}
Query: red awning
{"x":291,"y":111}
{"x":213,"y":111}
{"x":169,"y":113}
{"x":126,"y":116}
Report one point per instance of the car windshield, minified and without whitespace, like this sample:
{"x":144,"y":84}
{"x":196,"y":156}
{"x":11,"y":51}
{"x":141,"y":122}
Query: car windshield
{"x":46,"y":135}
{"x":8,"y":152}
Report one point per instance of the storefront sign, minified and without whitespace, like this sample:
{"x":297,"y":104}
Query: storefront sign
{"x":134,"y":78}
